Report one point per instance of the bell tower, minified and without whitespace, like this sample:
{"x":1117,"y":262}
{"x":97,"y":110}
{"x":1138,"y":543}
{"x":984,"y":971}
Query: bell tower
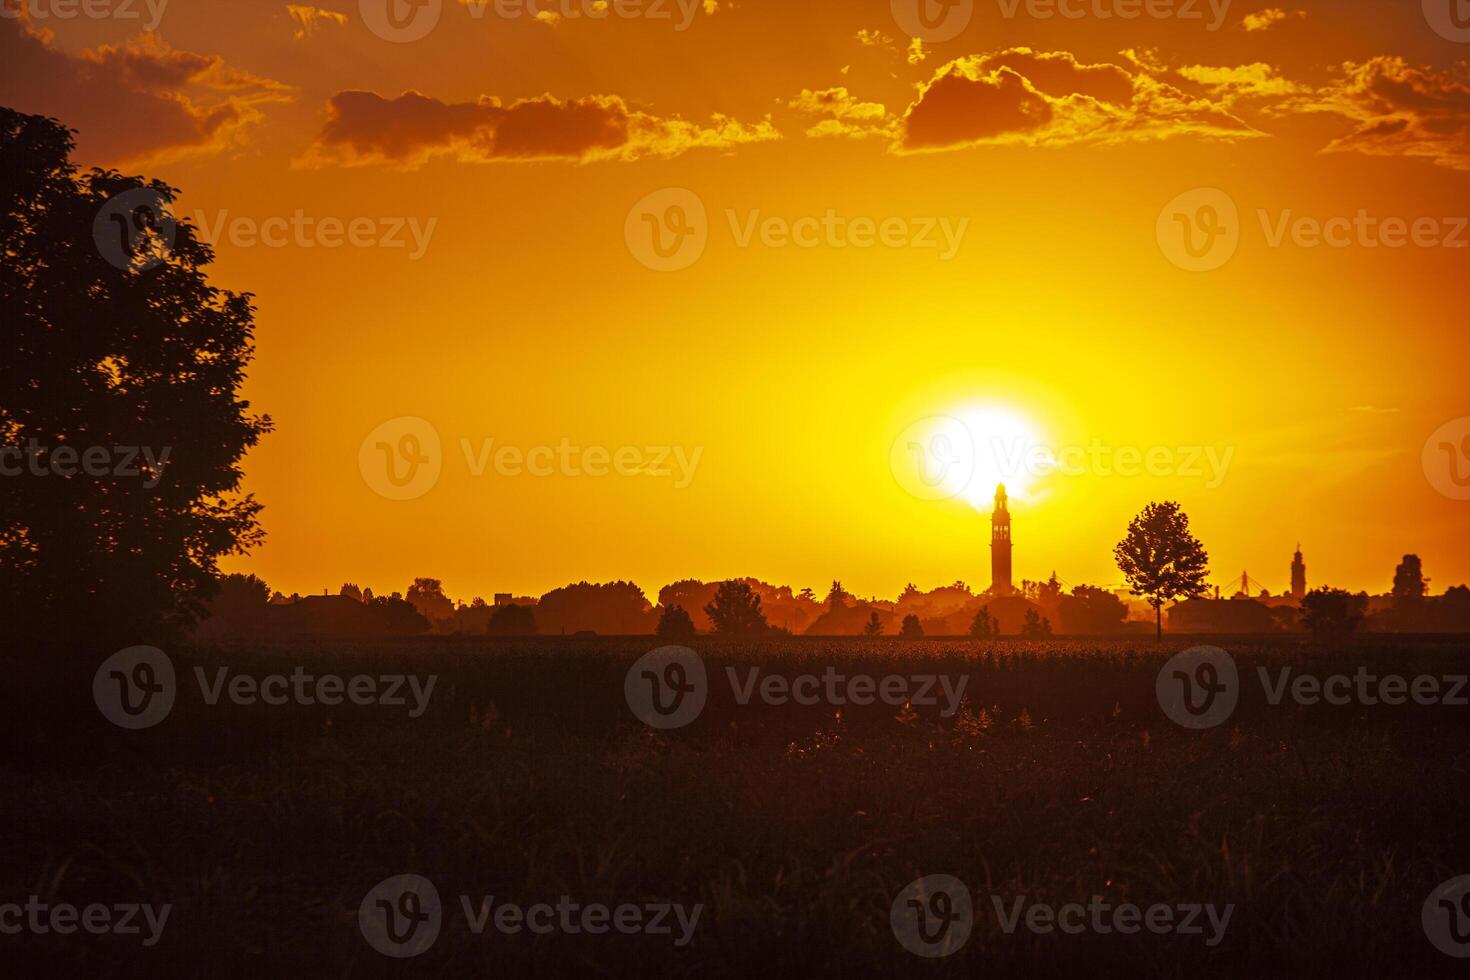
{"x":1000,"y":545}
{"x":1298,"y":575}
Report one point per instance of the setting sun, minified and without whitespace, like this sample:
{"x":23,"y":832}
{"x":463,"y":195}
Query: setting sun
{"x":1009,"y":449}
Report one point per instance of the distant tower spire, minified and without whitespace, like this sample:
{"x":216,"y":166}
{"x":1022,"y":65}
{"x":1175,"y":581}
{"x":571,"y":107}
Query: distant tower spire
{"x":1000,"y":545}
{"x":1298,"y":575}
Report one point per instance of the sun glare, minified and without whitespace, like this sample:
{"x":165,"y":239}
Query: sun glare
{"x":1008,"y":448}
{"x":963,"y":453}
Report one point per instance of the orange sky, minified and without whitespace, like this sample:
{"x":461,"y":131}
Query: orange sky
{"x":786,"y":360}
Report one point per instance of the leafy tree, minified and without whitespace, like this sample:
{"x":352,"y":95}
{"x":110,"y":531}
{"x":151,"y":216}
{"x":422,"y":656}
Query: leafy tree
{"x":1333,"y":613}
{"x":113,"y":342}
{"x":674,"y":624}
{"x":1409,"y":583}
{"x":611,"y":608}
{"x":1161,"y":559}
{"x":984,"y":625}
{"x":1035,"y":626}
{"x":736,"y":610}
{"x":1088,"y":609}
{"x":427,"y":596}
{"x":911,"y":629}
{"x":836,"y":596}
{"x":240,"y":602}
{"x":807,"y":595}
{"x":328,"y":615}
{"x":1045,"y":593}
{"x":1453,"y":610}
{"x":351,"y":591}
{"x":1409,"y":610}
{"x":512,"y":620}
{"x":874,"y":626}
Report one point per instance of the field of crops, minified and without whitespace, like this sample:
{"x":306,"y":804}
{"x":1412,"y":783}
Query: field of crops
{"x":525,"y":775}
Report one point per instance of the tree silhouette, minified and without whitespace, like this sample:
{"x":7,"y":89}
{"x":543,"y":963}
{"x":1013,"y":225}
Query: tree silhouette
{"x":1409,"y":583}
{"x":874,"y":626}
{"x":1036,"y":626}
{"x":984,"y":625}
{"x":1161,"y":559}
{"x":1088,"y":609}
{"x":512,"y":620}
{"x":911,"y":629}
{"x":618,"y":608}
{"x":395,"y":616}
{"x":241,"y":602}
{"x":1046,"y":593}
{"x":836,"y":596}
{"x":1333,"y":613}
{"x":427,"y":596}
{"x":120,"y":387}
{"x":675,"y":624}
{"x":736,"y":610}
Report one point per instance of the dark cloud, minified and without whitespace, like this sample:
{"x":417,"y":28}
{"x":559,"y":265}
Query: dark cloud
{"x":133,"y":102}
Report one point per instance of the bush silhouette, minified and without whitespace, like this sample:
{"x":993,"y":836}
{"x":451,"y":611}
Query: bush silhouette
{"x":512,"y":620}
{"x":874,"y":626}
{"x":674,"y":624}
{"x":736,"y":610}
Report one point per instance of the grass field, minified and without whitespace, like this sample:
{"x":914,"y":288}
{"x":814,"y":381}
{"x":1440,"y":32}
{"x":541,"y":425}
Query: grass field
{"x":795,"y":827}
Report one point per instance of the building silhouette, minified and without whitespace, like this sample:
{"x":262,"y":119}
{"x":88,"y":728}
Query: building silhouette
{"x":1000,"y":546}
{"x":1298,"y":575}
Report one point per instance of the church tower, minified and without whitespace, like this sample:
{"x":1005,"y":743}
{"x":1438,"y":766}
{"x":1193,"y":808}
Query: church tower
{"x":1000,"y":545}
{"x":1298,"y":575}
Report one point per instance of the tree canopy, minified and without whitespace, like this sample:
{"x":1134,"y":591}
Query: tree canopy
{"x":121,"y":427}
{"x":1161,"y":559}
{"x":736,"y":610}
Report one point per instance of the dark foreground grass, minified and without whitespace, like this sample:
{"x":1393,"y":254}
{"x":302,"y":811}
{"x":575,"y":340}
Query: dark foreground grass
{"x":528,"y":779}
